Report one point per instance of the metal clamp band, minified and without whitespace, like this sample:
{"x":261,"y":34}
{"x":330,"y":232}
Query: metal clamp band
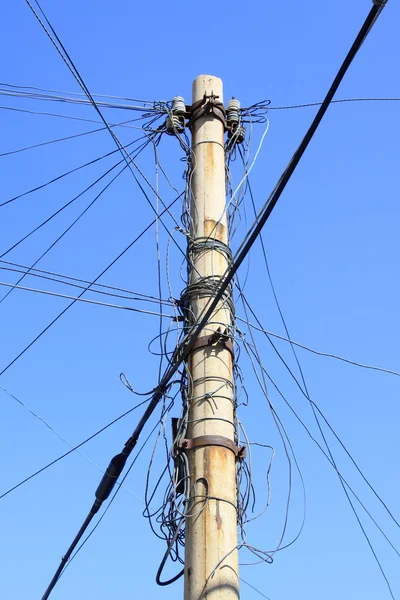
{"x":205,"y":106}
{"x":217,"y":338}
{"x":212,"y":440}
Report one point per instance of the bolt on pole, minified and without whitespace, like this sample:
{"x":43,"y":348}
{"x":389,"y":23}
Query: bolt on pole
{"x":211,"y":555}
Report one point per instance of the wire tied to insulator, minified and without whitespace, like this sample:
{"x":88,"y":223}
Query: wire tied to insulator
{"x":178,"y":105}
{"x":236,"y":131}
{"x":175,"y":122}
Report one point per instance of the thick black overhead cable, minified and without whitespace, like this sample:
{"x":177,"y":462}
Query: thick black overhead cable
{"x":180,"y":355}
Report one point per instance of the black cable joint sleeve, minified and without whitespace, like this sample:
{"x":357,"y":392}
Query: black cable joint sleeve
{"x":110,"y":477}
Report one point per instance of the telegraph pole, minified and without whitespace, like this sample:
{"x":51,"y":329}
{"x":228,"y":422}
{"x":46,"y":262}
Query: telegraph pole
{"x":211,"y":555}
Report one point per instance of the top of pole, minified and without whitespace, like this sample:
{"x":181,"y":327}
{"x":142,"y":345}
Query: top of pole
{"x":207,"y":84}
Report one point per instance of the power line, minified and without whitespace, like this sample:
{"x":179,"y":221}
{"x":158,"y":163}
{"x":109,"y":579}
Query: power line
{"x":74,"y":170}
{"x":61,"y":116}
{"x":55,"y":141}
{"x":39,"y":89}
{"x":71,"y":66}
{"x":102,"y":493}
{"x":318,"y":352}
{"x":254,"y":588}
{"x":328,"y":455}
{"x":81,"y":214}
{"x":38,"y":273}
{"x":58,"y":211}
{"x":74,"y":449}
{"x":133,"y":297}
{"x":137,"y":238}
{"x":139,"y":150}
{"x":77,"y":298}
{"x":341,"y":101}
{"x":51,"y":428}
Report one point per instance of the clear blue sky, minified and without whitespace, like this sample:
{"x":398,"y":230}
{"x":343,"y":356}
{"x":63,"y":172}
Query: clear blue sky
{"x":333,"y":247}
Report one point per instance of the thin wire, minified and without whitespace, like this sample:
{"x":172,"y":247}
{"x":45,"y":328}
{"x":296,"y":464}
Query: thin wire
{"x":58,"y":211}
{"x":331,"y":461}
{"x":39,"y":418}
{"x":78,"y":298}
{"x":137,"y":238}
{"x":307,"y":396}
{"x":62,"y":139}
{"x":247,"y":171}
{"x":37,"y":273}
{"x":74,"y":449}
{"x":39,"y":89}
{"x":70,"y":172}
{"x":48,"y":114}
{"x":341,"y":101}
{"x":318,"y":352}
{"x":342,"y":481}
{"x":69,"y":63}
{"x":254,"y":588}
{"x":78,"y":101}
{"x":81,"y":214}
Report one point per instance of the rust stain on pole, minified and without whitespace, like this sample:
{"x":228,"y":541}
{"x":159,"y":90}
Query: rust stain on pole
{"x":215,"y":229}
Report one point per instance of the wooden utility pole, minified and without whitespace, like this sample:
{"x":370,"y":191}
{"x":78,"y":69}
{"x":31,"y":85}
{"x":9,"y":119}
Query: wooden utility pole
{"x":211,"y":555}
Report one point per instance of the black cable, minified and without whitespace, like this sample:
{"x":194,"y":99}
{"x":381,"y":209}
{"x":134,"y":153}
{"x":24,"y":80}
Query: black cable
{"x":72,"y":547}
{"x":109,"y":504}
{"x":103,"y":491}
{"x":66,"y":560}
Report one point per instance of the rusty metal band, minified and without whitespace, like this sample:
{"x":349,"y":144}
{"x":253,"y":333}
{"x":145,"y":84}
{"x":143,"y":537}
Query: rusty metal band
{"x":212,"y":440}
{"x":207,"y":340}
